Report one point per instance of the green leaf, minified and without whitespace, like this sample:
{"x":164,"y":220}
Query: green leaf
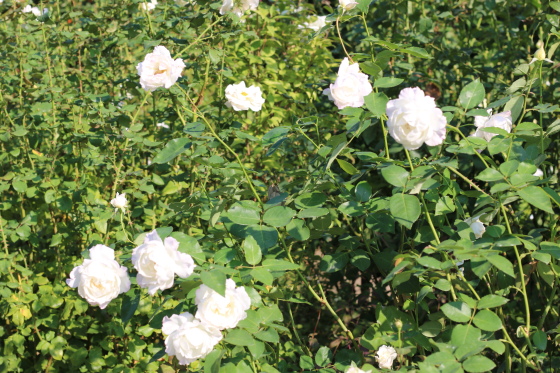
{"x":405,"y":208}
{"x":298,"y":230}
{"x":363,"y":191}
{"x":244,"y":213}
{"x":278,"y":216}
{"x":347,"y":167}
{"x":539,"y":339}
{"x":395,"y":175}
{"x":269,"y":335}
{"x":172,"y":149}
{"x":306,"y":363}
{"x":487,"y":321}
{"x":323,"y":357}
{"x":333,"y":263}
{"x":307,"y":200}
{"x":457,"y":311}
{"x":387,"y":82}
{"x":265,"y":236}
{"x":490,"y":174}
{"x":478,"y":364}
{"x":263,"y":275}
{"x":360,"y":259}
{"x":551,"y":248}
{"x":278,"y":265}
{"x":252,"y":250}
{"x":239,"y":337}
{"x":212,"y":361}
{"x":472,"y":94}
{"x":502,"y":264}
{"x":537,"y":197}
{"x":491,"y":301}
{"x":313,"y":212}
{"x":376,"y":103}
{"x":130,"y":303}
{"x":215,"y":280}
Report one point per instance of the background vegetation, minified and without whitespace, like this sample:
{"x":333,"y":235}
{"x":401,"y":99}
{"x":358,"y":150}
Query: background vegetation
{"x":343,"y":242}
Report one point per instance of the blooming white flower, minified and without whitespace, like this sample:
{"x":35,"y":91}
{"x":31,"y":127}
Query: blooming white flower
{"x":222,"y":312}
{"x":347,"y":4}
{"x":315,"y":23}
{"x":238,"y":6}
{"x":500,"y":120}
{"x":162,"y":125}
{"x":414,"y":119}
{"x":188,"y":338}
{"x":33,"y":9}
{"x":159,"y":70}
{"x":354,"y":369}
{"x":157,"y":263}
{"x":148,"y":5}
{"x":350,"y":86}
{"x":538,"y":173}
{"x":99,"y":279}
{"x":476,"y":225}
{"x":119,"y":202}
{"x":241,"y":97}
{"x":385,"y":356}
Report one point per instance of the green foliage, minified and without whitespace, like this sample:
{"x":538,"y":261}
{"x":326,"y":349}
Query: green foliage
{"x":343,"y":241}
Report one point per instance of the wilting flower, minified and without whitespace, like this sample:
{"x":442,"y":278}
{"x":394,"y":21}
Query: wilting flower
{"x":350,"y":86}
{"x":36,"y":11}
{"x":500,"y":120}
{"x":119,"y":202}
{"x":159,"y":70}
{"x":222,"y":312}
{"x":348,"y":4}
{"x":385,"y":356}
{"x":318,"y":23}
{"x":148,"y":5}
{"x":99,"y":279}
{"x":238,"y":6}
{"x":157,"y":263}
{"x":241,"y":97}
{"x":414,"y":119}
{"x":188,"y":338}
{"x":476,"y":226}
{"x":354,"y":369}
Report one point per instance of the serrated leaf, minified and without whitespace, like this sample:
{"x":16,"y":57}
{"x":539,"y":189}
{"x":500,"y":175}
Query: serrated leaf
{"x":487,"y":321}
{"x":457,"y":311}
{"x":472,"y":94}
{"x":405,"y":208}
{"x":537,"y":197}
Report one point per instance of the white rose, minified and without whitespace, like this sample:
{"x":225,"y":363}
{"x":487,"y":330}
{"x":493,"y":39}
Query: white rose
{"x":354,"y":369}
{"x":148,"y":5}
{"x":222,"y":312}
{"x":238,"y":6}
{"x":348,"y":4}
{"x":538,"y":173}
{"x":241,"y":97}
{"x":350,"y":86}
{"x":501,"y":120}
{"x":159,"y":70}
{"x":414,"y":119}
{"x":187,"y":338}
{"x":385,"y":356}
{"x":476,"y":226}
{"x":162,"y":125}
{"x":157,"y":263}
{"x":119,"y":202}
{"x":33,"y":9}
{"x":318,"y":23}
{"x":99,"y":279}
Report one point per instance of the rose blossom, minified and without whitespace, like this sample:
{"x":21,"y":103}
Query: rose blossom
{"x":414,"y":119}
{"x":354,"y":369}
{"x":99,"y":279}
{"x":348,"y":4}
{"x":33,"y":9}
{"x":241,"y":97}
{"x":157,"y":263}
{"x":385,"y":356}
{"x":119,"y":202}
{"x":476,"y":226}
{"x":500,"y":120}
{"x":350,"y":86}
{"x":316,"y":25}
{"x":148,"y":5}
{"x":241,"y":7}
{"x":222,"y":312}
{"x":159,"y":70}
{"x":187,"y":338}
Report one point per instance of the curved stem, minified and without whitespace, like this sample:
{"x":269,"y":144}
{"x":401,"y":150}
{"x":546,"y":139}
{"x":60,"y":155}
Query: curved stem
{"x":341,"y":40}
{"x":200,"y":36}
